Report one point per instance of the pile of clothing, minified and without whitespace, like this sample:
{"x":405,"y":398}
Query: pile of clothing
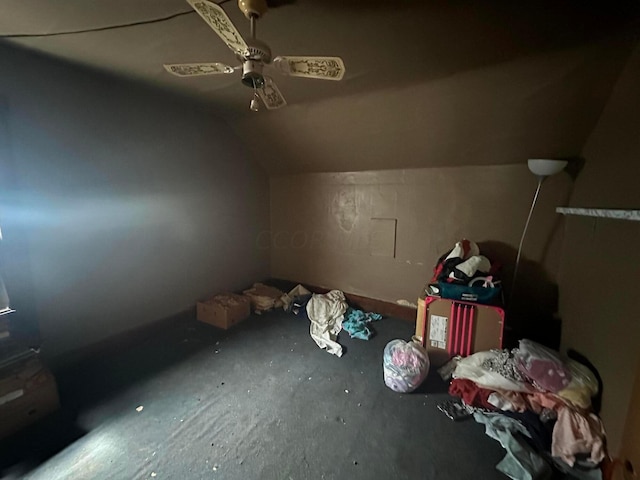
{"x":465,"y":274}
{"x":537,"y":405}
{"x":329,"y":313}
{"x":462,"y":264}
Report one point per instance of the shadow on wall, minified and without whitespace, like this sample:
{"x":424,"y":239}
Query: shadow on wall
{"x":532,"y":303}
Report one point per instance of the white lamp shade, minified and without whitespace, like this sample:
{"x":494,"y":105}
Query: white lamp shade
{"x":544,"y":167}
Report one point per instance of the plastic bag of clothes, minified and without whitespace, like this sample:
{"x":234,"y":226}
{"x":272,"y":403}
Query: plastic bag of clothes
{"x":405,"y":365}
{"x":582,"y":388}
{"x":542,"y":366}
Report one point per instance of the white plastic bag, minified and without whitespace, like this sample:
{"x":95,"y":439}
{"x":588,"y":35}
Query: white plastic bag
{"x":405,"y":365}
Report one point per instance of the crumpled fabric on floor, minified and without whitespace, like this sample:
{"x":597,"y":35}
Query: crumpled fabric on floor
{"x":356,"y":323}
{"x":508,"y":401}
{"x":471,"y":368}
{"x":575,"y":433}
{"x":520,"y":401}
{"x":326,"y":313}
{"x":540,"y":433}
{"x":470,"y":393}
{"x":505,"y":364}
{"x":521,"y":462}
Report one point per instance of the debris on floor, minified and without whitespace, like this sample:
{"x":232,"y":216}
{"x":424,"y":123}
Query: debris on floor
{"x":263,"y":297}
{"x":296,"y":299}
{"x":406,"y":303}
{"x":139,"y":409}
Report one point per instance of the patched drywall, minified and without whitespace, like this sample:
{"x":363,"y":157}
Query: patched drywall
{"x":379,"y":233}
{"x":600,"y":259}
{"x":124,"y":205}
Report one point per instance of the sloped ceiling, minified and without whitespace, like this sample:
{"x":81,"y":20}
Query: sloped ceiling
{"x":428,"y":83}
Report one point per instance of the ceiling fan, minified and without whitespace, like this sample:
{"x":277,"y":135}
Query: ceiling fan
{"x":254,"y":55}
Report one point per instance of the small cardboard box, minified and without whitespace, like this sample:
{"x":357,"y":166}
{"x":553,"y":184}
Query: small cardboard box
{"x":452,"y":327}
{"x":224,"y":310}
{"x":27,"y":394}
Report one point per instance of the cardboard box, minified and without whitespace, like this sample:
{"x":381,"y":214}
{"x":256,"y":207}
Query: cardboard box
{"x":452,"y":327}
{"x":224,"y":310}
{"x":28,"y":392}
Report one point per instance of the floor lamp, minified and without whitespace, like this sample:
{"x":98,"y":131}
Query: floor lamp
{"x":542,"y":168}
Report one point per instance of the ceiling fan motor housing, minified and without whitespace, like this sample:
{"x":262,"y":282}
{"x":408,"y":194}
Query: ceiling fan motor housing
{"x":255,"y":8}
{"x":252,"y":74}
{"x":252,"y":64}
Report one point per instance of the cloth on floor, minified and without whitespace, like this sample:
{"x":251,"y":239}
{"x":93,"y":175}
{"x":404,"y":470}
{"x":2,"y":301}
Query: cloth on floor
{"x":508,"y":401}
{"x":575,"y":433}
{"x":520,"y":401}
{"x":582,"y":388}
{"x":540,"y":433}
{"x":581,"y":470}
{"x":471,"y":368}
{"x":326,"y":313}
{"x":356,"y":321}
{"x":446,"y":370}
{"x":542,"y":366}
{"x":521,"y":462}
{"x":505,"y":364}
{"x":470,"y":393}
{"x":539,"y":401}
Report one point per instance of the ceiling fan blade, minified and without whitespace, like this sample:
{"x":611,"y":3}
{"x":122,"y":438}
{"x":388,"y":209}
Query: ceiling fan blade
{"x":322,"y":68}
{"x":197,"y":69}
{"x":218,"y":20}
{"x":270,"y":95}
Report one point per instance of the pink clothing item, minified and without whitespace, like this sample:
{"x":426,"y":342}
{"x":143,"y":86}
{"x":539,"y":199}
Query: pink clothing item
{"x":539,"y":401}
{"x":406,"y":359}
{"x":508,"y":400}
{"x":574,"y":433}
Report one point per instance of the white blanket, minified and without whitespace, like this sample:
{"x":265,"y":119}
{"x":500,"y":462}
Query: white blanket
{"x":326,"y":313}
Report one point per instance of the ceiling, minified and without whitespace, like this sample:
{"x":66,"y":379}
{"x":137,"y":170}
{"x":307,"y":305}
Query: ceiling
{"x":428,"y":83}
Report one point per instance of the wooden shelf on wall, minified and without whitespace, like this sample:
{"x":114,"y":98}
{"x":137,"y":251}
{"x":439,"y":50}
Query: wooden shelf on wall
{"x":617,"y":214}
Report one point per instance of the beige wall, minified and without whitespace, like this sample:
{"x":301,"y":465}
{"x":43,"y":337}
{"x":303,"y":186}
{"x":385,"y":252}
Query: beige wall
{"x":601,"y":260}
{"x":121,"y":205}
{"x":323,"y":230}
